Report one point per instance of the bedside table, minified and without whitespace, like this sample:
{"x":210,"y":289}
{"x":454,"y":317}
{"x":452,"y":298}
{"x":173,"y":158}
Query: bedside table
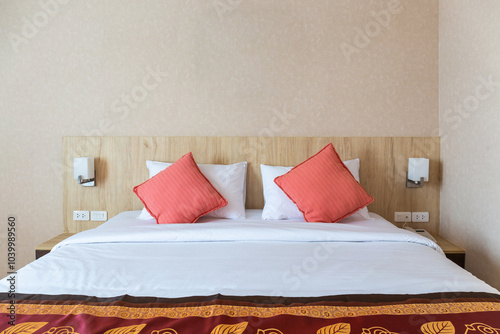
{"x":45,"y":247}
{"x":452,"y":251}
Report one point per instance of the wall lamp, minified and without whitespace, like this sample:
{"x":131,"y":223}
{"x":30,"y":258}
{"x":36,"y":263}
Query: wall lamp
{"x":83,"y":171}
{"x":418,"y":172}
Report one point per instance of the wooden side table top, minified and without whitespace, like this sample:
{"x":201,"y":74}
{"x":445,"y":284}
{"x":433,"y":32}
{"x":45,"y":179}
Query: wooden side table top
{"x":447,"y":246}
{"x":46,"y":246}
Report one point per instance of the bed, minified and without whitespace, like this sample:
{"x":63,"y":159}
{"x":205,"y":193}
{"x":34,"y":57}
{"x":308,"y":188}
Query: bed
{"x":248,"y":274}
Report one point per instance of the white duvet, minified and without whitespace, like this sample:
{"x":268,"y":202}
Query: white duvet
{"x":244,"y":257}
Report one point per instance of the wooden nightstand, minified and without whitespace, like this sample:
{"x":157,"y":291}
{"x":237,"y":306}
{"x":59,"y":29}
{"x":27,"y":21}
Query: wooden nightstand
{"x":452,"y":251}
{"x":45,"y":247}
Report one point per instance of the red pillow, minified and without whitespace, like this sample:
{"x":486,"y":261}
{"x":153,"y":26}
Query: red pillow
{"x":323,"y":188}
{"x":180,"y":193}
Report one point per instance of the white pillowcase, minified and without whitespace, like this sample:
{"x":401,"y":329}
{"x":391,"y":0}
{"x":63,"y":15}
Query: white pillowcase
{"x":277,"y":205}
{"x":229,"y":180}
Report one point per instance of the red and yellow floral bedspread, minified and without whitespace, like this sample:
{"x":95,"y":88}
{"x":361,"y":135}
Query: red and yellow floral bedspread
{"x":364,"y":314}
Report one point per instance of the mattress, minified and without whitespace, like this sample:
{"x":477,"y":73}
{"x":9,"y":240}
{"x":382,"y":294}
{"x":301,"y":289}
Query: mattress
{"x":244,"y":257}
{"x":282,"y":260}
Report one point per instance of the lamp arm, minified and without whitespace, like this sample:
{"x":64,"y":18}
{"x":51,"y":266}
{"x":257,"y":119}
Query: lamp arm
{"x":81,"y":180}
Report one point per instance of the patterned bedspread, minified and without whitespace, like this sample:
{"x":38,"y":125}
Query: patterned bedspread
{"x":364,"y":314}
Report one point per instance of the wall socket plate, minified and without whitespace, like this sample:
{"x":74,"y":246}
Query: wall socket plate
{"x":98,"y":215}
{"x":420,"y":217}
{"x":81,"y":215}
{"x":402,"y":217}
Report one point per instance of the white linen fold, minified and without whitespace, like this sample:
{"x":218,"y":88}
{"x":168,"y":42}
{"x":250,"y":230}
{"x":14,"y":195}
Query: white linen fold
{"x":222,"y":230}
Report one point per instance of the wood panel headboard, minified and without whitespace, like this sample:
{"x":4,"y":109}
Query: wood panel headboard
{"x":120,"y":164}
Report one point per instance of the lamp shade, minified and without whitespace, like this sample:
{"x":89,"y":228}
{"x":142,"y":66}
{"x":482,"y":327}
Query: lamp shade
{"x":418,"y":168}
{"x":83,"y":167}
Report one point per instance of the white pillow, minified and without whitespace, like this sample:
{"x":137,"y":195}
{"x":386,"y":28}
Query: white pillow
{"x":229,"y":180}
{"x":277,"y":205}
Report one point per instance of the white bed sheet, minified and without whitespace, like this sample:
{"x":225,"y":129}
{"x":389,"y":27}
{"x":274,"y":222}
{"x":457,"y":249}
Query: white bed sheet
{"x":244,"y":257}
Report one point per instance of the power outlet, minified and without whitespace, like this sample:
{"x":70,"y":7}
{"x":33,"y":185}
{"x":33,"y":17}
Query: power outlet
{"x":402,"y":217}
{"x":81,"y":215}
{"x":98,"y":215}
{"x":420,"y":217}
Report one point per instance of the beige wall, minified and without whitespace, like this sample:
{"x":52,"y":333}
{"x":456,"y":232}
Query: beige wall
{"x":469,"y":103}
{"x":222,"y":67}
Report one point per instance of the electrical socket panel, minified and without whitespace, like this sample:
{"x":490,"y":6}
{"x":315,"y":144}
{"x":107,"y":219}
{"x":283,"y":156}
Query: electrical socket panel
{"x":98,"y":215}
{"x":81,"y":215}
{"x":402,"y":217}
{"x":420,"y":217}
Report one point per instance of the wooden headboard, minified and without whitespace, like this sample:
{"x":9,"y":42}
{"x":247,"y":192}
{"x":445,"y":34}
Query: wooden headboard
{"x":120,"y":164}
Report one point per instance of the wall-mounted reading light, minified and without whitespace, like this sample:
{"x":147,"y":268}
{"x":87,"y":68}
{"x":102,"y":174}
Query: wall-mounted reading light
{"x":418,"y":172}
{"x":83,"y":171}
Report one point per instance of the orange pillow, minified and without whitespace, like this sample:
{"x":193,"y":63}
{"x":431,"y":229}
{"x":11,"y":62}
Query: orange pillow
{"x":180,"y":193}
{"x":323,"y":188}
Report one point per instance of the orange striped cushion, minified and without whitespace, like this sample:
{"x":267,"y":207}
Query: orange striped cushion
{"x":323,"y":188}
{"x":180,"y":193}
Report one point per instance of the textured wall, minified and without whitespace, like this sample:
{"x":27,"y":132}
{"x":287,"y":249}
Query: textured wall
{"x":221,"y":67}
{"x":469,"y":104}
